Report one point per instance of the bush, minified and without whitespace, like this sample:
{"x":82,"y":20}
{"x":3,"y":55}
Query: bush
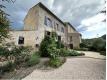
{"x":21,"y":54}
{"x":20,"y":50}
{"x":83,"y":45}
{"x":98,"y":45}
{"x":48,"y":46}
{"x":34,"y":59}
{"x":44,"y":46}
{"x":103,"y":53}
{"x":8,"y":67}
{"x":83,"y":49}
{"x":59,"y":44}
{"x":4,"y":52}
{"x":75,"y":53}
{"x":64,"y":52}
{"x":56,"y":62}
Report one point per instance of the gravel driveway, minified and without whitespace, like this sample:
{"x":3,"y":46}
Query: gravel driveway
{"x":93,"y":54}
{"x":75,"y":68}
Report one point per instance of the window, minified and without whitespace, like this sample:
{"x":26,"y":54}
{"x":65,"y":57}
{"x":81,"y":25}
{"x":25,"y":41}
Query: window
{"x":57,"y":26}
{"x":48,"y":22}
{"x":59,"y":38}
{"x":45,"y":22}
{"x":48,"y":33}
{"x":21,"y":40}
{"x":37,"y":45}
{"x":62,"y":29}
{"x":71,"y":46}
{"x":70,"y":38}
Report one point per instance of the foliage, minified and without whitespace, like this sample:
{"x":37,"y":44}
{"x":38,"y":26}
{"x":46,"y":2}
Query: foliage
{"x":4,"y":52}
{"x":99,"y":45}
{"x":44,"y":46}
{"x":103,"y":53}
{"x":103,"y":37}
{"x":64,"y":52}
{"x":83,"y":45}
{"x":48,"y":46}
{"x":4,"y":23}
{"x":21,"y":54}
{"x":8,"y":67}
{"x":59,"y":44}
{"x":95,"y":44}
{"x":75,"y":53}
{"x":17,"y":51}
{"x":83,"y":49}
{"x":56,"y":62}
{"x":34,"y":59}
{"x":52,"y":50}
{"x":86,"y":43}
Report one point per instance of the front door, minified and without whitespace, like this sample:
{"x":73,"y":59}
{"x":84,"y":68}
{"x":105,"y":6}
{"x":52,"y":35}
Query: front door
{"x":71,"y":46}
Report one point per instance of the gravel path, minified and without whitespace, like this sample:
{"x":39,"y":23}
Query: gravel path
{"x":93,"y":54}
{"x":76,"y":68}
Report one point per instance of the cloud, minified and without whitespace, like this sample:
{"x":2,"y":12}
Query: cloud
{"x":50,"y":3}
{"x":93,"y":26}
{"x":93,"y":20}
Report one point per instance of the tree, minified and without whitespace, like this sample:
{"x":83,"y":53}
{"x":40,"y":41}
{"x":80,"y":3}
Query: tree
{"x":4,"y":22}
{"x":99,"y":44}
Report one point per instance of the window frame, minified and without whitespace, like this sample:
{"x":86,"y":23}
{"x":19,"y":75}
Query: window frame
{"x":21,"y":41}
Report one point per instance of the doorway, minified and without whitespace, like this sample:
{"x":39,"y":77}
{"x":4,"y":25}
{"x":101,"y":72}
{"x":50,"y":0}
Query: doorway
{"x":71,"y":46}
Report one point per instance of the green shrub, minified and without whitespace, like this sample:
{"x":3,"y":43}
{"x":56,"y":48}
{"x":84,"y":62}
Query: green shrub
{"x":44,"y":46}
{"x":34,"y":59}
{"x":48,"y":46}
{"x":8,"y":67}
{"x":20,"y":50}
{"x":21,"y":54}
{"x":83,"y":49}
{"x":98,"y":45}
{"x":75,"y":53}
{"x":4,"y":51}
{"x":83,"y":45}
{"x":103,"y":53}
{"x":56,"y":62}
{"x":64,"y":52}
{"x":59,"y":44}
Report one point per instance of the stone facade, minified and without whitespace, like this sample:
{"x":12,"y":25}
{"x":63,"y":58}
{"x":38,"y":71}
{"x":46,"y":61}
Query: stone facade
{"x":29,"y":37}
{"x":39,"y":21}
{"x":72,"y":36}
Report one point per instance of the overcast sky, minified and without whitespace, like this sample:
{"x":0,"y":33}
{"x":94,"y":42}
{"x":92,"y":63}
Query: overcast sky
{"x":82,"y":14}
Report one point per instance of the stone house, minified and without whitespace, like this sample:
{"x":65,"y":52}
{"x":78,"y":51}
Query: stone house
{"x":40,"y":21}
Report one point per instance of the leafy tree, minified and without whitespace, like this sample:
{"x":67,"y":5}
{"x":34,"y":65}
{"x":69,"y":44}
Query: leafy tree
{"x":4,"y":22}
{"x":99,"y":45}
{"x":48,"y":45}
{"x":44,"y":46}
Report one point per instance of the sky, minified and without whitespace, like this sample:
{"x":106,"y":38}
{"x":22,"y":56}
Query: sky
{"x":82,"y":14}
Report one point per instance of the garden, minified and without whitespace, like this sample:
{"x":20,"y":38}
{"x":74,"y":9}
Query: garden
{"x":14,"y":58}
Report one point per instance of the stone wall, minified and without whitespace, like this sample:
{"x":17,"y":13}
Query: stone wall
{"x":29,"y":37}
{"x":76,"y":40}
{"x":31,"y":19}
{"x":43,"y":27}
